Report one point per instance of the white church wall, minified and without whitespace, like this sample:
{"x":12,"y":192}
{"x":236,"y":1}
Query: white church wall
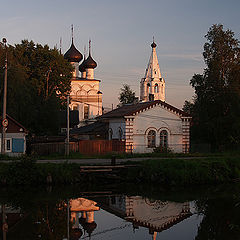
{"x":85,"y":91}
{"x":157,"y":119}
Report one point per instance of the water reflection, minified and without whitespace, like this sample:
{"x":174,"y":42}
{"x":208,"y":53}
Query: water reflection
{"x":155,"y":215}
{"x":82,"y":215}
{"x":74,"y":219}
{"x":109,"y":215}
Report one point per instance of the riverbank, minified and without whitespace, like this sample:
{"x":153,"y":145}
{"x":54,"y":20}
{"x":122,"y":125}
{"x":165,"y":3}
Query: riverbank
{"x":187,"y":172}
{"x":165,"y":171}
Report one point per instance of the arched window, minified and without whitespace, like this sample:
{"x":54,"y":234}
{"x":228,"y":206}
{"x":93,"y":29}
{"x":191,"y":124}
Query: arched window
{"x":156,"y":88}
{"x":151,"y":139}
{"x":164,"y":139}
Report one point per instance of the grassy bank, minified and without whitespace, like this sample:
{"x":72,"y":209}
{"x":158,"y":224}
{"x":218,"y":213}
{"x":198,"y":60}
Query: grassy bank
{"x":187,"y":171}
{"x":182,"y":172}
{"x":27,"y":172}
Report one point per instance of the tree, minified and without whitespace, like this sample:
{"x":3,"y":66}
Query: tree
{"x":127,"y":95}
{"x":216,"y":103}
{"x":38,"y":82}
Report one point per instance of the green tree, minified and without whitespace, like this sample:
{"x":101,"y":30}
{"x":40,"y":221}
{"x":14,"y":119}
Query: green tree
{"x":126,"y":95}
{"x":38,"y":82}
{"x":216,"y":103}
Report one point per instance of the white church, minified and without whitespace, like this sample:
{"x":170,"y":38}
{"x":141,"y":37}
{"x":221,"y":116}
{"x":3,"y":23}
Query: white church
{"x":144,"y":126}
{"x":85,"y":94}
{"x":152,"y":122}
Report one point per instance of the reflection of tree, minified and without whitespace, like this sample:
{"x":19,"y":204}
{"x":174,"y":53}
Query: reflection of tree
{"x":47,"y":220}
{"x":52,"y":221}
{"x":221,"y":219}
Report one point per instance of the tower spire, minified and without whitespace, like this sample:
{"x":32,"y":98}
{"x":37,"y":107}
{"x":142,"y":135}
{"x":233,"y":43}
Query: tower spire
{"x":85,"y":51}
{"x":89,"y":46}
{"x":152,"y":84}
{"x":72,"y":33}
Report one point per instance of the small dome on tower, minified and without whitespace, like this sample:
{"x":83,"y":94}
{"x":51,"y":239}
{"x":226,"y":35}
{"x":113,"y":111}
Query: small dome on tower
{"x":153,"y":45}
{"x":73,"y":55}
{"x":82,"y":67}
{"x":90,"y":63}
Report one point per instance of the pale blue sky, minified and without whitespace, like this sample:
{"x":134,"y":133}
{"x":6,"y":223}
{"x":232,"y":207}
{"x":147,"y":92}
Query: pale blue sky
{"x":121,"y":33}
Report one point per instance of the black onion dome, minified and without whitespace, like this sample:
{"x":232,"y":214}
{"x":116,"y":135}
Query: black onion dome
{"x":153,"y":45}
{"x":90,"y":63}
{"x":82,"y":67}
{"x":73,"y":55}
{"x":89,"y":227}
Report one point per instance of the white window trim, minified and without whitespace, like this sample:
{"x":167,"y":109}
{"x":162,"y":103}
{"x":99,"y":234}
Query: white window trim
{"x":146,"y":137}
{"x":169,"y":135}
{"x":10,"y":150}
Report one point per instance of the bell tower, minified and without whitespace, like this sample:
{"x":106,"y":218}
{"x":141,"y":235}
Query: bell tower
{"x":152,"y":86}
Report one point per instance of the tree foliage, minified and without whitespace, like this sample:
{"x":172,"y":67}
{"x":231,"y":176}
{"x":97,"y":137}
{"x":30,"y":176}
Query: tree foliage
{"x":38,"y":82}
{"x":127,"y":95}
{"x":216,"y":103}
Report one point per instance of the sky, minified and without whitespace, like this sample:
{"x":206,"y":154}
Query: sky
{"x":121,"y":34}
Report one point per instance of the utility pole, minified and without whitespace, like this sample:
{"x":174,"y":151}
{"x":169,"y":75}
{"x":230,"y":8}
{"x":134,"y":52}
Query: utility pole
{"x":98,"y":93}
{"x":68,"y":123}
{"x":68,"y":220}
{"x":4,"y":120}
{"x":4,"y":222}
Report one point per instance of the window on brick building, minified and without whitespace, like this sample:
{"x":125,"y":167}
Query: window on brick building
{"x":151,"y":139}
{"x":164,"y":139}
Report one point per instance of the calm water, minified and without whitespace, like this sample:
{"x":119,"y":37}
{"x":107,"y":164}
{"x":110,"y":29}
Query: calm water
{"x":120,"y":212}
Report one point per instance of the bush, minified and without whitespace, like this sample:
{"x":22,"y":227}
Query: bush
{"x":161,"y":149}
{"x":187,"y":171}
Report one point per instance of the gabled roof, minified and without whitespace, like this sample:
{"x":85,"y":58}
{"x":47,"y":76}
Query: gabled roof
{"x":133,"y":109}
{"x":13,"y":125}
{"x":94,"y":128}
{"x":177,"y":219}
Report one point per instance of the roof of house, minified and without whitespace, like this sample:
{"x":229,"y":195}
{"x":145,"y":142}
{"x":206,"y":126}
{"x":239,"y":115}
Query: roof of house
{"x":133,"y":109}
{"x":13,"y":125}
{"x":175,"y":220}
{"x":94,"y":128}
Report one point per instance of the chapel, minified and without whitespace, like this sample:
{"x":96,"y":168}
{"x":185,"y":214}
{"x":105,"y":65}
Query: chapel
{"x":152,"y":123}
{"x":85,"y":94}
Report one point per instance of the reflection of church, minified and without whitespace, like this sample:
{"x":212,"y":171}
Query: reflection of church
{"x":155,"y":215}
{"x":82,"y":216}
{"x":142,"y":212}
{"x":85,"y":95}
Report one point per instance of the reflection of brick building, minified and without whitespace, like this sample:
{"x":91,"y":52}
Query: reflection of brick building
{"x":155,"y":215}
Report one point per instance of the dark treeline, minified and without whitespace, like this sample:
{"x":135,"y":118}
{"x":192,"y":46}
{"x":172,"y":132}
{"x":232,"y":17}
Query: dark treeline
{"x":216,"y":104}
{"x":38,"y":82}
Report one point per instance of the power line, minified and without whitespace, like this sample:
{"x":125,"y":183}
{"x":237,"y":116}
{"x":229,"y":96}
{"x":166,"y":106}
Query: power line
{"x":109,"y":230}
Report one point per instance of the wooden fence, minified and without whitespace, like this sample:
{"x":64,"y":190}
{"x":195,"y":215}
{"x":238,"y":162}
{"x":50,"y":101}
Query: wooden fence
{"x":86,"y":147}
{"x":96,"y":147}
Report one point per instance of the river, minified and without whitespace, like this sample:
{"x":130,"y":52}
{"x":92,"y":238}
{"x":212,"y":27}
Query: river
{"x":120,"y":212}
